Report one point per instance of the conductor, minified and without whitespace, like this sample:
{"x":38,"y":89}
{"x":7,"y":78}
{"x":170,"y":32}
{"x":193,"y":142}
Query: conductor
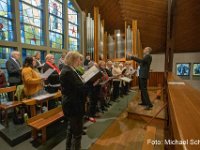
{"x":145,"y":63}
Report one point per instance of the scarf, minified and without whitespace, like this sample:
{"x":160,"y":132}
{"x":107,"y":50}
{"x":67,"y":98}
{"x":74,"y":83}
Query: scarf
{"x":54,"y":67}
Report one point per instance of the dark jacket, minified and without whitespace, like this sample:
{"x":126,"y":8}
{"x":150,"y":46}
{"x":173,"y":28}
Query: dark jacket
{"x":73,"y":92}
{"x":52,"y":80}
{"x":109,"y":72}
{"x":144,"y":65}
{"x":14,"y":72}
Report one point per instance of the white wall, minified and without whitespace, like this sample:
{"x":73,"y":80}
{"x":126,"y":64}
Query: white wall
{"x":158,"y":61}
{"x":188,"y":58}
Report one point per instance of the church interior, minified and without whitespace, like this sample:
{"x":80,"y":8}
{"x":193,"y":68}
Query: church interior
{"x":114,"y":37}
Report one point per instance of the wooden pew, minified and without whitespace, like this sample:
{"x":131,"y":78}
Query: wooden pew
{"x":32,"y":102}
{"x":149,"y":136}
{"x":8,"y":105}
{"x":41,"y":121}
{"x":184,"y":113}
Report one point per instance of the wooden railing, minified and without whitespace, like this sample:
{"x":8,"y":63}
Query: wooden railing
{"x":184,"y":114}
{"x":155,"y":79}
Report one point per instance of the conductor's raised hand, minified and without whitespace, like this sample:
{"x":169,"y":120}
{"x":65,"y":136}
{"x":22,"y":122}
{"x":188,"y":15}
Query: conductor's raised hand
{"x":129,"y":56}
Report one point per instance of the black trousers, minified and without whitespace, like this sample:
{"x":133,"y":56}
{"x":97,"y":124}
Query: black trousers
{"x":74,"y":133}
{"x":144,"y":94}
{"x":94,"y":97}
{"x":116,"y":89}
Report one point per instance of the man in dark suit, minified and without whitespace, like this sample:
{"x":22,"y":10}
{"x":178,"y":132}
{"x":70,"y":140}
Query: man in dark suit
{"x":13,"y":67}
{"x":143,"y":76}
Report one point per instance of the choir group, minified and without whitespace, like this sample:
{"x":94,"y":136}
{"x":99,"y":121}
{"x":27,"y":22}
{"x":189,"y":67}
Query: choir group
{"x":80,"y":100}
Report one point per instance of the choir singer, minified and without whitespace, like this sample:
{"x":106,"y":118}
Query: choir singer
{"x":72,"y":88}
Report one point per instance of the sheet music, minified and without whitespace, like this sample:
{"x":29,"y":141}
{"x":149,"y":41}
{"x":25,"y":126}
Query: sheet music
{"x":8,"y":103}
{"x":90,"y":73}
{"x":47,"y":73}
{"x":126,"y":79}
{"x":42,"y":97}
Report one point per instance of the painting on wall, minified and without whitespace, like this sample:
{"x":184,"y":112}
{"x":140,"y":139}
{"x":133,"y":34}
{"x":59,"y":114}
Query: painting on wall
{"x":196,"y":69}
{"x":183,"y":69}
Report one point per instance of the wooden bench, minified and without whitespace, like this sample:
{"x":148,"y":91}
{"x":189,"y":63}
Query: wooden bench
{"x":149,"y":136}
{"x":8,"y":105}
{"x":41,"y":121}
{"x":32,"y":102}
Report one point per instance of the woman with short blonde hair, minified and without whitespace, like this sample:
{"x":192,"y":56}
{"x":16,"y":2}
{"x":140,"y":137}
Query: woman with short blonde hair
{"x":73,"y":99}
{"x":49,"y":57}
{"x":71,"y":58}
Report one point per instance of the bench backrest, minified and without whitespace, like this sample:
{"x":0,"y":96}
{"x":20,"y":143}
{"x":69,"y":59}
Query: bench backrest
{"x":8,"y":90}
{"x":45,"y":114}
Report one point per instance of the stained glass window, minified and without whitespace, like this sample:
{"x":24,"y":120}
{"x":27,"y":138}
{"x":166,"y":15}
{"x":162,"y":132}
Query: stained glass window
{"x":56,"y":23}
{"x":57,"y":56}
{"x":6,"y":25}
{"x":30,"y":52}
{"x":73,"y":28}
{"x":4,"y":56}
{"x":31,"y":22}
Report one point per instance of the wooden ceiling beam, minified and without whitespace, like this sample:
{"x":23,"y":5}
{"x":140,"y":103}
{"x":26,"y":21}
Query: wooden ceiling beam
{"x":144,"y":12}
{"x":147,"y":7}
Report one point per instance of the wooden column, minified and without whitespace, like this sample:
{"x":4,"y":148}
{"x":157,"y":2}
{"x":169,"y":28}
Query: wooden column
{"x":96,"y":48}
{"x":170,"y":37}
{"x":125,"y":40}
{"x":16,"y":22}
{"x":105,"y":46}
{"x":170,"y":40}
{"x":140,"y":53}
{"x":134,"y":47}
{"x":46,"y":25}
{"x":134,"y":42}
{"x":115,"y":46}
{"x":65,"y":24}
{"x":169,"y":59}
{"x":102,"y":22}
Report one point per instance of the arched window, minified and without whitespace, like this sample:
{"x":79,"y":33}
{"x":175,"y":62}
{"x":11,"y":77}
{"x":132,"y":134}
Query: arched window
{"x":73,"y":28}
{"x":56,"y":23}
{"x":31,"y":22}
{"x":6,"y":25}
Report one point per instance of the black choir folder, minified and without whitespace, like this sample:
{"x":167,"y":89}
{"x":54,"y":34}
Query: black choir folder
{"x":92,"y":74}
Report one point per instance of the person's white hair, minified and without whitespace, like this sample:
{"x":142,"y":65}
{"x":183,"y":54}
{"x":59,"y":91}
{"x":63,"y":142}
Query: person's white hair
{"x":149,"y":49}
{"x":14,"y":53}
{"x":71,"y":58}
{"x":109,"y":62}
{"x":48,"y":57}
